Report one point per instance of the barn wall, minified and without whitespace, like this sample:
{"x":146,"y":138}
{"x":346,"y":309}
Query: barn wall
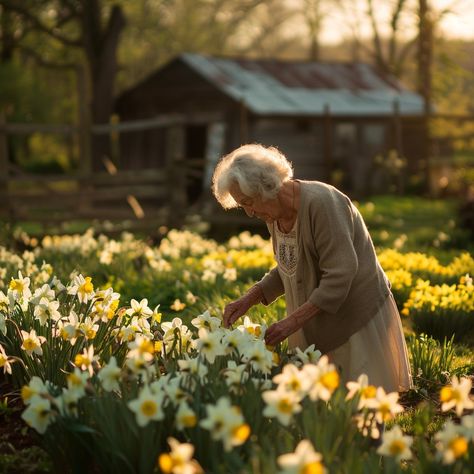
{"x":300,"y":140}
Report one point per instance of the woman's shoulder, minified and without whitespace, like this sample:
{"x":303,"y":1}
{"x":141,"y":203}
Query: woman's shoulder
{"x":318,"y":193}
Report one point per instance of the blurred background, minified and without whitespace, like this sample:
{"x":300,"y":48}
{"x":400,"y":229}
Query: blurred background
{"x":114,"y":113}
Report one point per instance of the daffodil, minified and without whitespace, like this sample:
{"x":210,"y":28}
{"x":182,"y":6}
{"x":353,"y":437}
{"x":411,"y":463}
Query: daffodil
{"x":82,"y":288}
{"x":185,"y":416}
{"x":395,"y":444}
{"x":38,"y":414}
{"x":77,"y":381}
{"x":323,"y":378}
{"x":225,"y":422}
{"x":35,"y":387}
{"x":47,"y":310}
{"x":109,"y":375}
{"x":209,"y":345}
{"x":305,"y":460}
{"x":32,"y":343}
{"x":362,"y":389}
{"x":309,"y":356}
{"x":206,"y":321}
{"x":179,"y":460}
{"x":451,"y":443}
{"x":141,"y":347}
{"x":281,"y":404}
{"x":457,"y":395}
{"x":385,"y":405}
{"x":139,"y":309}
{"x":5,"y":361}
{"x":147,"y":407}
{"x":86,"y":360}
{"x":293,"y":380}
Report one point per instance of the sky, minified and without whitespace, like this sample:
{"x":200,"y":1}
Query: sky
{"x":458,"y":24}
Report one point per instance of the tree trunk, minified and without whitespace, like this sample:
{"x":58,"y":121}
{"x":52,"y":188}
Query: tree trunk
{"x":101,"y":50}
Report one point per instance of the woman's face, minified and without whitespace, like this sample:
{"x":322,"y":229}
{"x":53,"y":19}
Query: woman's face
{"x":267,"y":211}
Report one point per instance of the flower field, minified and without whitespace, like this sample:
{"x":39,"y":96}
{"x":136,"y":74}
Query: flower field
{"x":117,"y":351}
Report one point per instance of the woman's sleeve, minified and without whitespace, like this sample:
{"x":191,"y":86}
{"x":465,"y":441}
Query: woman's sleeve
{"x":333,"y":232}
{"x":272,"y":286}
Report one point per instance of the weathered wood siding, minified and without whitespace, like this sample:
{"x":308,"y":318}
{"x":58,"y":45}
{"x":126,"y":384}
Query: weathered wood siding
{"x":301,"y":141}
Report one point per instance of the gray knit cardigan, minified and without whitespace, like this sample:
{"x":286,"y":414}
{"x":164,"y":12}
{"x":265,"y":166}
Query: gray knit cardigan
{"x":337,"y":267}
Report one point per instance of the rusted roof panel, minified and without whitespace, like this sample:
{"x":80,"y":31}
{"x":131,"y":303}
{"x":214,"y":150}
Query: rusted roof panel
{"x":306,"y":88}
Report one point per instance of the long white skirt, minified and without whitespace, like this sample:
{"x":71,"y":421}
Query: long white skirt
{"x":378,"y":350}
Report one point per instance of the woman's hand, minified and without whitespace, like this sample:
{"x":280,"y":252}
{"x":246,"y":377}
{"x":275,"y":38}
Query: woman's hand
{"x":238,"y":308}
{"x":279,"y":331}
{"x":234,"y":310}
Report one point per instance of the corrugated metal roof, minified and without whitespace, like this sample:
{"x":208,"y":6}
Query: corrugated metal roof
{"x":306,"y":88}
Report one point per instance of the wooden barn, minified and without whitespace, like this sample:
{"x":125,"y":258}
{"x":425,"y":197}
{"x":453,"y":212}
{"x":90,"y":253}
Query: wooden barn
{"x":330,"y":119}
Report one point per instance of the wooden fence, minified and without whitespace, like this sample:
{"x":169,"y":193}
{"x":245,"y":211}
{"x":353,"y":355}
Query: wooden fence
{"x":143,"y":198}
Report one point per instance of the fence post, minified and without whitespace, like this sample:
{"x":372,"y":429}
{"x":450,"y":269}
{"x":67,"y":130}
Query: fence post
{"x":328,"y":143}
{"x":176,"y":170}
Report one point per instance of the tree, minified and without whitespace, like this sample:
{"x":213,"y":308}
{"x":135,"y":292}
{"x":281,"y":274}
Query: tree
{"x":84,"y":30}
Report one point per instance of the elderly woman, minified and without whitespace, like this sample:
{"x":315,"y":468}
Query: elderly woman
{"x":337,"y":295}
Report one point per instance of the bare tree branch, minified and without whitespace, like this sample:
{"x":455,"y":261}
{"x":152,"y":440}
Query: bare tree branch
{"x":38,"y":25}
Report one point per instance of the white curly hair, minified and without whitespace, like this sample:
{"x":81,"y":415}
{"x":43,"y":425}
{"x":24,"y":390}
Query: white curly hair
{"x":258,"y":170}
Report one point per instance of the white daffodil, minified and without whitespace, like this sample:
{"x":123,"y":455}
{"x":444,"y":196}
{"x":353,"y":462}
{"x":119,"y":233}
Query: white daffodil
{"x":148,"y":406}
{"x":139,"y":309}
{"x":367,"y":424}
{"x":19,"y":288}
{"x":193,"y":366}
{"x":32,"y":342}
{"x":395,"y":444}
{"x":77,"y":381}
{"x":230,"y":274}
{"x":185,"y":416}
{"x":68,"y":329}
{"x":234,"y":340}
{"x":457,"y":395}
{"x":226,"y":423}
{"x":178,"y":305}
{"x":209,"y":345}
{"x":86,"y":360}
{"x":175,"y":392}
{"x":309,"y":356}
{"x":82,"y":288}
{"x":35,"y":387}
{"x":190,"y":298}
{"x":88,"y":328}
{"x":235,"y":375}
{"x":260,"y":358}
{"x":38,"y":415}
{"x":304,"y":460}
{"x":385,"y":405}
{"x":363,"y":389}
{"x":44,"y":292}
{"x":281,"y":404}
{"x":106,"y":304}
{"x":206,"y":321}
{"x":5,"y":361}
{"x":109,"y":375}
{"x":141,"y":347}
{"x":67,"y":402}
{"x":179,"y":460}
{"x":451,"y":443}
{"x":47,"y":310}
{"x":176,"y":329}
{"x":323,"y":378}
{"x":293,"y":380}
{"x":254,"y":329}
